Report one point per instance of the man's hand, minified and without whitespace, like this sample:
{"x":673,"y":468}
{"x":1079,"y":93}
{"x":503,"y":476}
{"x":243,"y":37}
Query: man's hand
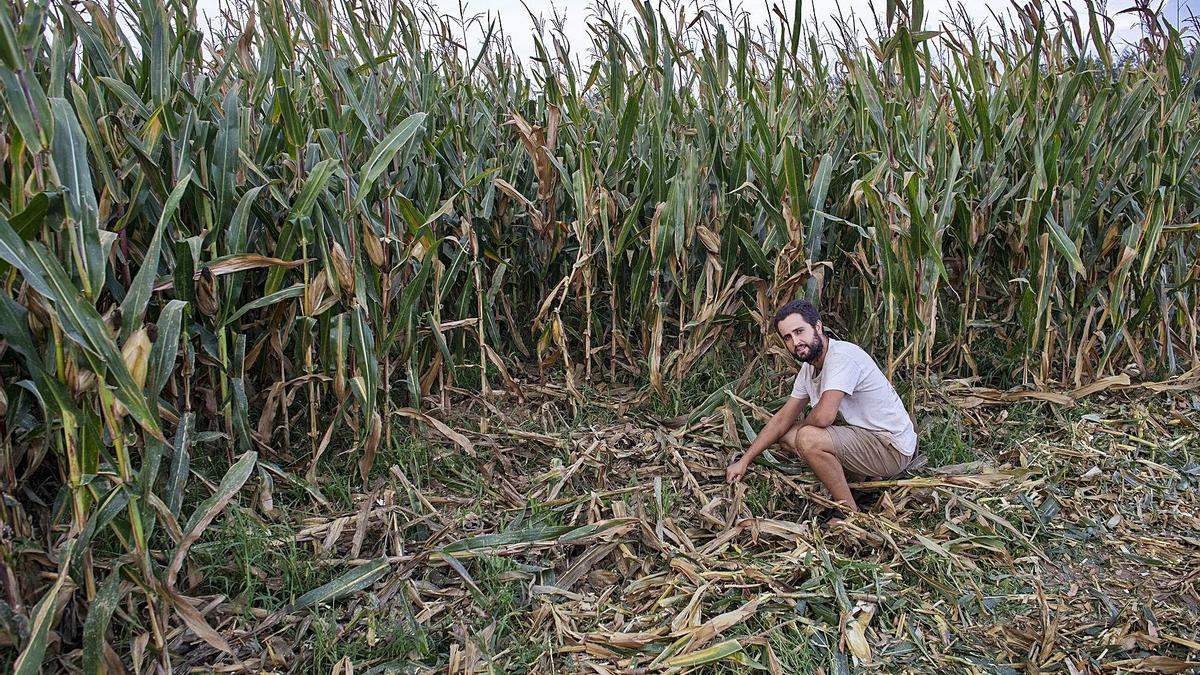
{"x":736,"y":470}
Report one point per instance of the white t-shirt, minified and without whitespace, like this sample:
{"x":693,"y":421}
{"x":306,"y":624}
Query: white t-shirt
{"x":871,"y":402}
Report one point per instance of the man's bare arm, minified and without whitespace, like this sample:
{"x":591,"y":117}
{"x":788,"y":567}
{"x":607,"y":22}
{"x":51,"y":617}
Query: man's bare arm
{"x":776,"y":427}
{"x":824,"y":414}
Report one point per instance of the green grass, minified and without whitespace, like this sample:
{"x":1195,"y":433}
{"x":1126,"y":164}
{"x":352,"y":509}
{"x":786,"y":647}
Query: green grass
{"x":997,"y":360}
{"x":257,"y":564}
{"x":407,"y":452}
{"x":796,"y":647}
{"x":504,"y":607}
{"x":714,"y":370}
{"x":587,"y":413}
{"x":395,"y":643}
{"x":944,"y":438}
{"x":761,"y":497}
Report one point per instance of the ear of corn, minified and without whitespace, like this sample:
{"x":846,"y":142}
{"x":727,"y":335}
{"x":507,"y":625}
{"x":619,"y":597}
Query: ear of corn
{"x":344,"y":200}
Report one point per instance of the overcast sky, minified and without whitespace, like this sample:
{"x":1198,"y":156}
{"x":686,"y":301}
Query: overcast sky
{"x":519,"y":26}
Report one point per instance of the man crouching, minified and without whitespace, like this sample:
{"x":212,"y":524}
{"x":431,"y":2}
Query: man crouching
{"x":876,"y":440}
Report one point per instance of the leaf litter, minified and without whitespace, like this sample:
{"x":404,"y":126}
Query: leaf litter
{"x":1071,"y":543}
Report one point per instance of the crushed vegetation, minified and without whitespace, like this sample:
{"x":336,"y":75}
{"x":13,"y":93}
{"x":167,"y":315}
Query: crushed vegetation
{"x":1044,"y":533}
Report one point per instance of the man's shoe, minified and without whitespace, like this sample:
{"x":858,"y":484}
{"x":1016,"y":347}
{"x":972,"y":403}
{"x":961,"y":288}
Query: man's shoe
{"x":866,"y":499}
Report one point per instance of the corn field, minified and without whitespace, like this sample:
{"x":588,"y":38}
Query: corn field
{"x":309,"y":217}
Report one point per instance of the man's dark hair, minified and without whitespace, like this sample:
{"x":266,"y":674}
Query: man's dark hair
{"x":804,"y":308}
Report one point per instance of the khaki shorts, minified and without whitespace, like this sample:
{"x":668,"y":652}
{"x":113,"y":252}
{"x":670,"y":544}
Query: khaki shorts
{"x":867,"y":453}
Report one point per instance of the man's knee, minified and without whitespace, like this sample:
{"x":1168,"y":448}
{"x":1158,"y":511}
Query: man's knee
{"x":791,"y":440}
{"x":788,"y":440}
{"x":809,"y":441}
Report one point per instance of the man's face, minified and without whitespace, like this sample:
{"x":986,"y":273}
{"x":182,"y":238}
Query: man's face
{"x":802,"y":339}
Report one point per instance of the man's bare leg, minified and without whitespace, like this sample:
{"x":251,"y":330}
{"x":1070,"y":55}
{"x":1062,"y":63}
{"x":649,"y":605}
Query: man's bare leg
{"x":815,"y":446}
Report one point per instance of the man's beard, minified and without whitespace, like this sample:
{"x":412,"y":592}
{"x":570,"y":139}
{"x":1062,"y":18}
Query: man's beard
{"x":815,"y":349}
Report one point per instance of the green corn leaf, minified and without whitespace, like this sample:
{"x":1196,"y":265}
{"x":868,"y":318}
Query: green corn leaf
{"x":80,"y":321}
{"x":159,"y":66}
{"x":25,"y":118}
{"x":485,"y":542}
{"x":133,"y":307}
{"x":582,"y":532}
{"x":98,"y":54}
{"x":267,"y":300}
{"x":30,"y":660}
{"x":753,"y":250}
{"x":180,"y":459}
{"x":1064,"y":245}
{"x":363,"y":340}
{"x":313,"y":185}
{"x":225,"y":159}
{"x":439,"y":338}
{"x":816,"y":198}
{"x":112,"y":505}
{"x":126,"y":94}
{"x":298,"y":217}
{"x":166,"y":346}
{"x":184,"y":272}
{"x":712,"y":654}
{"x":385,"y":152}
{"x":71,"y":163}
{"x":340,"y":68}
{"x":91,"y":132}
{"x":10,"y":50}
{"x":14,"y":328}
{"x":354,"y":580}
{"x":456,"y":565}
{"x":236,"y":239}
{"x":204,"y":514}
{"x":99,"y":613}
{"x":536,"y":535}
